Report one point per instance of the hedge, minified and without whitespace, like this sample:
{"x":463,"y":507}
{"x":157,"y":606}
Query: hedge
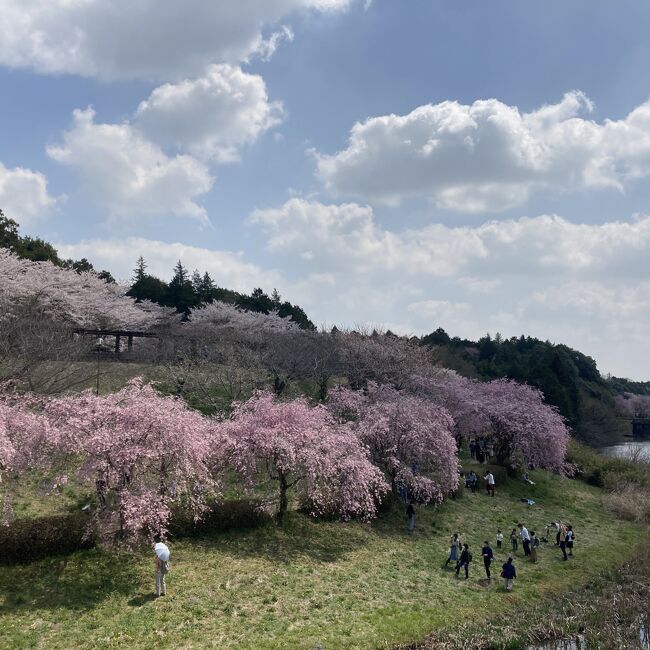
{"x":26,"y":540}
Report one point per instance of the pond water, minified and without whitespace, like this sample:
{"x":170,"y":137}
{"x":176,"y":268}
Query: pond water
{"x":626,"y":449}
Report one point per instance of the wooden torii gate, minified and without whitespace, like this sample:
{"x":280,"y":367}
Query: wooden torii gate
{"x":118,"y":334}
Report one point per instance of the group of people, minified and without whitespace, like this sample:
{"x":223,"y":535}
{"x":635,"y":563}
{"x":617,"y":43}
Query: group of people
{"x":471,"y":481}
{"x":460,"y":554}
{"x":481,"y":450}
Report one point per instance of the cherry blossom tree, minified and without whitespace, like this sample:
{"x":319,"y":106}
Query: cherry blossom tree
{"x":381,"y":357}
{"x":633,"y":406}
{"x":298,"y":446}
{"x":142,"y":452}
{"x":80,"y":299}
{"x":409,"y":438}
{"x":524,"y":428}
{"x":23,"y":436}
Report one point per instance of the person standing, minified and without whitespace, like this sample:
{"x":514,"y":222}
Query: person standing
{"x":454,"y":549}
{"x":513,"y":540}
{"x":489,"y":483}
{"x":499,"y":538}
{"x":465,"y":559}
{"x":569,"y":539}
{"x":562,"y":541}
{"x":525,"y":539}
{"x":509,"y":573}
{"x":488,"y":556}
{"x":534,"y":545}
{"x":410,"y":517}
{"x":162,"y":566}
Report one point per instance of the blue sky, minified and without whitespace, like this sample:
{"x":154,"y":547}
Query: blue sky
{"x":439,"y":208}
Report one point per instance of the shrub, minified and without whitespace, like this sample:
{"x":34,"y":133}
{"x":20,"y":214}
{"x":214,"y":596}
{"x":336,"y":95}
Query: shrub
{"x":606,"y":471}
{"x":26,"y":540}
{"x":630,"y":502}
{"x":225,"y":515}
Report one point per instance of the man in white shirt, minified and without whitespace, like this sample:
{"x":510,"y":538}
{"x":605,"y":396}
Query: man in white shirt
{"x":489,"y":483}
{"x":525,"y":538}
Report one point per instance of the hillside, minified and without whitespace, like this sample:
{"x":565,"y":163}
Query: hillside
{"x":342,"y":585}
{"x":569,"y":379}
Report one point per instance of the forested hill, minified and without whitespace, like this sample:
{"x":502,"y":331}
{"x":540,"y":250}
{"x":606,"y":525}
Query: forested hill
{"x":184,"y":292}
{"x":569,"y":379}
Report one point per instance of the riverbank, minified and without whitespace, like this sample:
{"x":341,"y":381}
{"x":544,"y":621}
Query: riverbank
{"x":341,"y":585}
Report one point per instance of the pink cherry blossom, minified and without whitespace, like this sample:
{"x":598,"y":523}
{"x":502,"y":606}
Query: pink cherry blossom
{"x":294,"y":445}
{"x":409,"y":437}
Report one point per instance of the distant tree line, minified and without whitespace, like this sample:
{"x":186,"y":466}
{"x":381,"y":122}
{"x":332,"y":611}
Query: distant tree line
{"x":569,"y":379}
{"x":186,"y":291}
{"x":36,"y":249}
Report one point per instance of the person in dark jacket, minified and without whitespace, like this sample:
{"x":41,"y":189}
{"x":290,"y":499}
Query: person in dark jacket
{"x":509,"y":573}
{"x":410,"y":517}
{"x":465,"y":559}
{"x":488,"y":556}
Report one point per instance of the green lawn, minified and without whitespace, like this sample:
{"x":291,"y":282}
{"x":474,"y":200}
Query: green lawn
{"x":342,"y":585}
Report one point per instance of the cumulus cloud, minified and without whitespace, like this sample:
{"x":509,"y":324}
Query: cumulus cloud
{"x":122,"y":39}
{"x":129,"y":175}
{"x":211,"y":116}
{"x":488,"y":156}
{"x":574,"y":283}
{"x":23,"y":194}
{"x":227,"y":268}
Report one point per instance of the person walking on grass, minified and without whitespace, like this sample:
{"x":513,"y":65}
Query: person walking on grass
{"x":499,"y":538}
{"x":410,"y":517}
{"x":489,"y":483}
{"x":563,"y":541}
{"x":513,"y":540}
{"x":454,"y":549}
{"x":162,"y":566}
{"x":488,"y":556}
{"x":525,"y":539}
{"x":509,"y":573}
{"x":465,"y":559}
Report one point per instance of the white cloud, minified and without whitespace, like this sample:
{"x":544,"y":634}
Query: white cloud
{"x":581,"y":284}
{"x":212,"y":116}
{"x":127,"y":174}
{"x":268,"y":47}
{"x":488,"y":156}
{"x":227,"y":268}
{"x":151,"y":39}
{"x":23,"y":194}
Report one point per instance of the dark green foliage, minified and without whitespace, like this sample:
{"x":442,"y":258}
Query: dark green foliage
{"x":36,"y":249}
{"x":620,"y":386}
{"x":185,"y":292}
{"x":149,"y":288}
{"x":27,"y":540}
{"x":569,"y":379}
{"x":226,"y":515}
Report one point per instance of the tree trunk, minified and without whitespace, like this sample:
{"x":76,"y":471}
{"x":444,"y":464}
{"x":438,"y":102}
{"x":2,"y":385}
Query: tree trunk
{"x":284,"y":504}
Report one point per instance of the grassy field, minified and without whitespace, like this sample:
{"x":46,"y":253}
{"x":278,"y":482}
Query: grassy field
{"x":342,"y":585}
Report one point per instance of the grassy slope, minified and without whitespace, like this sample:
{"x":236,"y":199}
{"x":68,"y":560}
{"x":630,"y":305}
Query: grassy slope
{"x":345,"y":585}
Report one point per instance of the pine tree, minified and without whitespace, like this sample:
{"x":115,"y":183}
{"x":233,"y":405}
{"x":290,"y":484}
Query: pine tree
{"x":139,"y":272}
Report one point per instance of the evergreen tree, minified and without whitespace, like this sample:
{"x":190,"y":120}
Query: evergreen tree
{"x":140,"y":270}
{"x":181,"y":293}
